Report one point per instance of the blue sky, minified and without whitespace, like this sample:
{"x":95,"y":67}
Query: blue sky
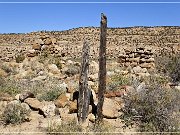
{"x":22,"y":18}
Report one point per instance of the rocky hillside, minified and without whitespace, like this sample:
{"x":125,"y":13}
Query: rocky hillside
{"x":39,"y":80}
{"x":160,"y":39}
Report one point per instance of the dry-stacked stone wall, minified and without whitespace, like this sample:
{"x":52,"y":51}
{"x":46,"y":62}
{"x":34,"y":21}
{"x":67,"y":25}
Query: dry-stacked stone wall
{"x":141,"y":56}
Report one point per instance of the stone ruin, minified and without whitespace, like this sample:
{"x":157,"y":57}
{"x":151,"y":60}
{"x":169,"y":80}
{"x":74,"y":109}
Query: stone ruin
{"x":140,"y":56}
{"x":43,"y":42}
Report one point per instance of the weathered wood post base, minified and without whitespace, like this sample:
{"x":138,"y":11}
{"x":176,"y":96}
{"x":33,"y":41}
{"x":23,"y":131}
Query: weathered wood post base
{"x":83,"y":100}
{"x":102,"y":68}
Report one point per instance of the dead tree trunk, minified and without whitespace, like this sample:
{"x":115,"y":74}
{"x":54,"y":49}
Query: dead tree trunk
{"x":83,"y":101}
{"x":102,"y":67}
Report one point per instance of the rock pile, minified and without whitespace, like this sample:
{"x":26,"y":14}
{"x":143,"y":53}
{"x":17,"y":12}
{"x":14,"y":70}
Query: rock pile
{"x":43,"y":42}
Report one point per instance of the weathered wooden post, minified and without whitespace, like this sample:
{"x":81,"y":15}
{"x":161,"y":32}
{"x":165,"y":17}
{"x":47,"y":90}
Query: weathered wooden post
{"x":102,"y":67}
{"x":83,"y":100}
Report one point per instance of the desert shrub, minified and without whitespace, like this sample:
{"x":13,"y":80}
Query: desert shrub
{"x":56,"y":60}
{"x":65,"y":128}
{"x":9,"y":86}
{"x":15,"y":114}
{"x":154,"y":108}
{"x":50,"y":95}
{"x":53,"y":91}
{"x":6,"y":68}
{"x":169,"y":65}
{"x":45,"y":57}
{"x":72,"y":127}
{"x":116,"y":81}
{"x":72,"y":70}
{"x":19,"y":58}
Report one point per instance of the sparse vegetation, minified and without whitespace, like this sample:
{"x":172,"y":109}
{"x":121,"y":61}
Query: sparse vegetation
{"x":154,"y":109}
{"x":169,"y":65}
{"x":66,"y":128}
{"x":51,"y":95}
{"x":46,"y":57}
{"x":116,"y":81}
{"x":72,"y":70}
{"x":6,"y":68}
{"x":9,"y":86}
{"x":19,"y":58}
{"x":72,"y":127}
{"x":101,"y":129}
{"x":15,"y":114}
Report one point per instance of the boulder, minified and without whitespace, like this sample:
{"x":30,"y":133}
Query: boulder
{"x":91,"y":118}
{"x":14,"y":102}
{"x":17,"y":96}
{"x":31,"y":53}
{"x":147,"y":65}
{"x":61,"y":101}
{"x":110,"y":108}
{"x":3,"y":73}
{"x":44,"y":47}
{"x":48,"y":109}
{"x":39,"y":78}
{"x":73,"y":107}
{"x":39,"y":41}
{"x":94,"y":67}
{"x":25,"y":106}
{"x":69,"y":62}
{"x":3,"y":105}
{"x":69,"y":117}
{"x":138,"y":69}
{"x":34,"y":103}
{"x":34,"y":115}
{"x":63,"y":86}
{"x":36,"y":46}
{"x":124,"y":72}
{"x":143,"y":74}
{"x":47,"y":41}
{"x":54,"y":41}
{"x":141,"y":87}
{"x":53,"y":69}
{"x":90,"y":83}
{"x":110,"y":94}
{"x":93,"y":77}
{"x":5,"y":97}
{"x":110,"y":73}
{"x":71,"y":70}
{"x":25,"y":95}
{"x":177,"y":87}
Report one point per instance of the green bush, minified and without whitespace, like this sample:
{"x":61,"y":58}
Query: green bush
{"x":51,"y":95}
{"x":6,"y":68}
{"x":15,"y":114}
{"x":9,"y":86}
{"x":154,"y":109}
{"x":169,"y":65}
{"x":116,"y":81}
{"x":72,"y":70}
{"x":19,"y":58}
{"x":45,"y":57}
